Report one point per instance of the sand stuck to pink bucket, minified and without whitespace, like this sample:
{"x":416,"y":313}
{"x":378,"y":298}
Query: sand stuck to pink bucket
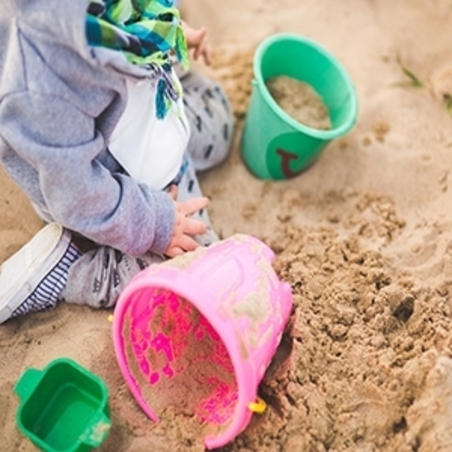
{"x":194,"y":336}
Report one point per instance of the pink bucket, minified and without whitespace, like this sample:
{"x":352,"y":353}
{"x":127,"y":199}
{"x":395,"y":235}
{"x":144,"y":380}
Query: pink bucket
{"x":195,"y":335}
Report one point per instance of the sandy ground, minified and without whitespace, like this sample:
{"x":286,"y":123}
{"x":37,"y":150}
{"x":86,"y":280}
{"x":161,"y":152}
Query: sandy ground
{"x":363,"y":237}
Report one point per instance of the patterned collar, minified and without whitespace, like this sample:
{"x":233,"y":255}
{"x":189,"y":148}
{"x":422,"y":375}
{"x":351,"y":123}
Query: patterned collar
{"x":148,"y":32}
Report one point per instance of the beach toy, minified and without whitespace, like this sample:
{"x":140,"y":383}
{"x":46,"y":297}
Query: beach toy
{"x":64,"y":408}
{"x":194,"y":335}
{"x":274,"y":145}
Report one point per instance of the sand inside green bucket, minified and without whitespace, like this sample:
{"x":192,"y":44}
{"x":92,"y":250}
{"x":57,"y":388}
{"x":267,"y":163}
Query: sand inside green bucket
{"x":300,"y":101}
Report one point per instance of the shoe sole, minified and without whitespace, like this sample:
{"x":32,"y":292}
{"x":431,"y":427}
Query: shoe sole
{"x":24,"y":270}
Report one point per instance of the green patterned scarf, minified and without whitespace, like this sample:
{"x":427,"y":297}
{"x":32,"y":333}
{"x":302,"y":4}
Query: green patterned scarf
{"x":148,"y":32}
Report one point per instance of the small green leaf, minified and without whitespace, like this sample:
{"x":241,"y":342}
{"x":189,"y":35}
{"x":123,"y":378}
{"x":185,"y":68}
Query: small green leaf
{"x":448,"y":102}
{"x":413,"y":79}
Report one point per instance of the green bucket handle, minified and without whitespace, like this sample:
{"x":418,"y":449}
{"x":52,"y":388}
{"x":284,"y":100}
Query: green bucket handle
{"x":28,"y":382}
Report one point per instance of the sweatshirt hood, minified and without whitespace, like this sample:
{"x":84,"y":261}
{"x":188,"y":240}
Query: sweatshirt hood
{"x":61,"y":19}
{"x":64,"y":21}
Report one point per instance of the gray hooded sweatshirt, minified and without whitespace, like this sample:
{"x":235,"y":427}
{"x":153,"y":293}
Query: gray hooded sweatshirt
{"x":59,"y":103}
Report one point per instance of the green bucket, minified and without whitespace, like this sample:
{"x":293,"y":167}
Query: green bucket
{"x":64,"y":408}
{"x":274,"y":145}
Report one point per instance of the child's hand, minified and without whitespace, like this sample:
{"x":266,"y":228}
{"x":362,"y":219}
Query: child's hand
{"x":185,"y":228}
{"x":197,"y":40}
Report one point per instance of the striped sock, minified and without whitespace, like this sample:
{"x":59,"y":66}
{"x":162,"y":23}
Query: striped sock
{"x":46,"y":294}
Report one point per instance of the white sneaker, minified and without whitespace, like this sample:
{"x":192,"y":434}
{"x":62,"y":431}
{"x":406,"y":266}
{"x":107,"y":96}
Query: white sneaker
{"x":32,"y":278}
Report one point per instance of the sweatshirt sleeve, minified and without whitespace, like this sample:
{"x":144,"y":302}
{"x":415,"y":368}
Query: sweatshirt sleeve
{"x":62,"y":144}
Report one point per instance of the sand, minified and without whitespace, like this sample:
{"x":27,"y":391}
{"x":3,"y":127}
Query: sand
{"x":300,"y":101}
{"x":363,"y":237}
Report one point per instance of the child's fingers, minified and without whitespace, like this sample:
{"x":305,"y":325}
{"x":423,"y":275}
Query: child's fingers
{"x":198,"y":37}
{"x":187,"y":243}
{"x":194,"y":227}
{"x":174,"y":251}
{"x":172,"y":191}
{"x":184,"y":243}
{"x":190,"y":206}
{"x":206,"y":54}
{"x":204,"y":51}
{"x":197,"y":40}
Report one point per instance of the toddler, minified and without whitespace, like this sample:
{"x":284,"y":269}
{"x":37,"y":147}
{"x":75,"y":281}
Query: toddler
{"x":103,"y":127}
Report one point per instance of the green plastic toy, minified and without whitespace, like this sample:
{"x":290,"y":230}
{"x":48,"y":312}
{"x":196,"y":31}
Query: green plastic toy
{"x":274,"y":145}
{"x":64,"y":408}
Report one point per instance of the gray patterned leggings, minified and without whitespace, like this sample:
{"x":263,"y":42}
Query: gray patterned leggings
{"x":99,"y":276}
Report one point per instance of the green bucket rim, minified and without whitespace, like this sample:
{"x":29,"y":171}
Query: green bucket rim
{"x":330,"y":134}
{"x":31,"y":384}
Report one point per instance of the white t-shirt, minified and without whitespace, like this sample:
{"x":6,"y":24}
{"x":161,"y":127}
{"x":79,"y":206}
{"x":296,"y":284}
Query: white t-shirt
{"x":151,"y":150}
